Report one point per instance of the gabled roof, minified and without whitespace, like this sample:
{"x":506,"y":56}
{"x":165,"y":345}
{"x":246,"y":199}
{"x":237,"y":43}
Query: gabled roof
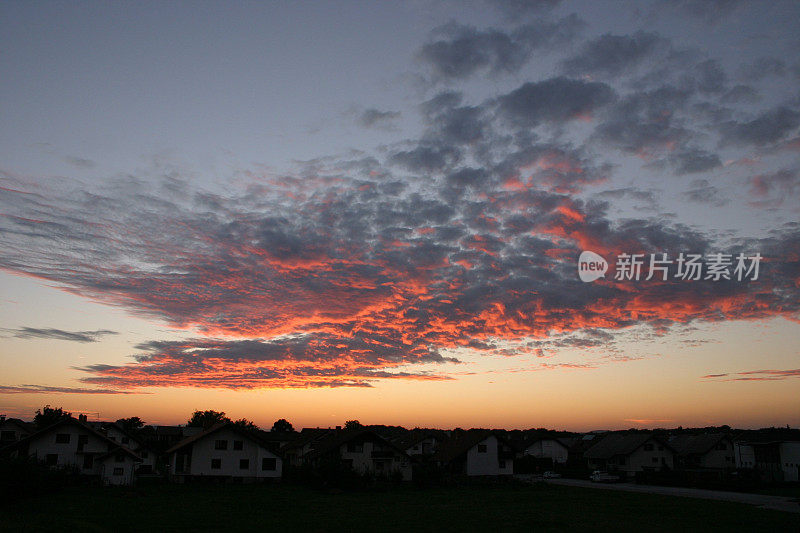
{"x":30,"y":427}
{"x":530,"y":442}
{"x":696,"y":444}
{"x":615,"y":444}
{"x":217,"y":427}
{"x":335,"y":440}
{"x":67,"y":421}
{"x":412,"y":438}
{"x":455,"y":447}
{"x":307,"y":436}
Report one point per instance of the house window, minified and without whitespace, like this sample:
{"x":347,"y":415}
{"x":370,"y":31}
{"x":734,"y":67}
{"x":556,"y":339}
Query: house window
{"x":62,"y":438}
{"x":355,"y":447}
{"x":269,"y":463}
{"x":216,"y":464}
{"x":118,"y":471}
{"x":481,"y":448}
{"x":244,"y":464}
{"x":51,"y":459}
{"x":88,"y":461}
{"x":238,"y":445}
{"x":648,"y":447}
{"x":220,"y":445}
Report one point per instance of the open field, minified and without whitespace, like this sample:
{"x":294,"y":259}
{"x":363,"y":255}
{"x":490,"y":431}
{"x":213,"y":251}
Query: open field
{"x":292,"y":508}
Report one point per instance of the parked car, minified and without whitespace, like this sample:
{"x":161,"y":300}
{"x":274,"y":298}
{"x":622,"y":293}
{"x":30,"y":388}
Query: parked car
{"x":599,"y":476}
{"x":551,"y":475}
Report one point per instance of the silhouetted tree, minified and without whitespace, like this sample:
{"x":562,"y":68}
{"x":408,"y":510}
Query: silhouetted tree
{"x":246,"y":424}
{"x":352,"y":424}
{"x":282,"y":426}
{"x":47,"y":416}
{"x":131,"y":423}
{"x":206,"y":419}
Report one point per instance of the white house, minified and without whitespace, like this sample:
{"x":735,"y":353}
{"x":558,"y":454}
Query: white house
{"x":547,"y":448}
{"x":224,"y":451}
{"x":72,"y":444}
{"x":120,"y":435}
{"x":630,"y":453}
{"x":362,"y":450}
{"x":777,"y":460}
{"x":477,"y":453}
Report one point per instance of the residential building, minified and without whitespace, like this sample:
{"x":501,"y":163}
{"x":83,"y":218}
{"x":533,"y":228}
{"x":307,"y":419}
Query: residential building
{"x":224,"y":451}
{"x":627,"y":454}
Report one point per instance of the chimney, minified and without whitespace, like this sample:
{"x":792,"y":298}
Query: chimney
{"x":82,"y":418}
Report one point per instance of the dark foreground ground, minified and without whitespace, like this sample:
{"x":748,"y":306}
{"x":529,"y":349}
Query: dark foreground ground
{"x":290,"y":508}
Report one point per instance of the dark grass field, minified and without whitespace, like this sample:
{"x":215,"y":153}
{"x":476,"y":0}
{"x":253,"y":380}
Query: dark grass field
{"x":292,"y":508}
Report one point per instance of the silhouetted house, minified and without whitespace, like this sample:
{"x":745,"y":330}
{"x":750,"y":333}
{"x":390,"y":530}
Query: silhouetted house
{"x":161,"y":438}
{"x":361,"y":450}
{"x":707,"y":451}
{"x":476,"y":453}
{"x":555,"y":449}
{"x":224,"y":451}
{"x":14,"y":429}
{"x":70,"y":443}
{"x":417,"y":442}
{"x":278,"y":439}
{"x":630,"y":453}
{"x":295,"y":451}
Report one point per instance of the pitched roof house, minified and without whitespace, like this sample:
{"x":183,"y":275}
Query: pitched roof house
{"x":630,"y":453}
{"x":477,"y":453}
{"x":552,"y":448}
{"x":363,"y":450}
{"x":70,"y":443}
{"x":710,"y":451}
{"x":224,"y":451}
{"x":14,"y":429}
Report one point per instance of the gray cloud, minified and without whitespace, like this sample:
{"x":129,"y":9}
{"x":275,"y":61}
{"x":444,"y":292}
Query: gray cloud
{"x":60,"y":334}
{"x":612,"y":55}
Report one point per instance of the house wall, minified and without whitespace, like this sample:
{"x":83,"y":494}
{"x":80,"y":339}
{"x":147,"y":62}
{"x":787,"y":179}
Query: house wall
{"x":203,"y":451}
{"x":719,"y":459}
{"x":68,"y":455}
{"x":745,"y":456}
{"x":487,"y":463}
{"x":790,"y":460}
{"x":363,"y":460}
{"x":548,"y":448}
{"x":110,"y":473}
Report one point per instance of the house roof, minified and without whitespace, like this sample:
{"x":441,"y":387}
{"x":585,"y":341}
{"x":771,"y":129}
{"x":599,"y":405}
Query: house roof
{"x":30,"y":427}
{"x":696,"y":444}
{"x":530,"y":442}
{"x":412,"y":438}
{"x":67,"y":421}
{"x":335,"y":440}
{"x":455,"y":447}
{"x":615,"y":444}
{"x":217,"y":427}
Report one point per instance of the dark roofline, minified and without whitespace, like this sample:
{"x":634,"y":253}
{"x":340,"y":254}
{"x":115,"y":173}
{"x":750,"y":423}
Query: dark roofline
{"x":346,"y":436}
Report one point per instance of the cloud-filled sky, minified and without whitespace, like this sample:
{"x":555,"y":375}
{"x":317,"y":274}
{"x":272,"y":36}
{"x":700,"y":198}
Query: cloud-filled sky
{"x":381,"y":207}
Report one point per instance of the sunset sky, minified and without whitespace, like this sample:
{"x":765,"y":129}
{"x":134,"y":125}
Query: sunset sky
{"x":325,"y":211}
